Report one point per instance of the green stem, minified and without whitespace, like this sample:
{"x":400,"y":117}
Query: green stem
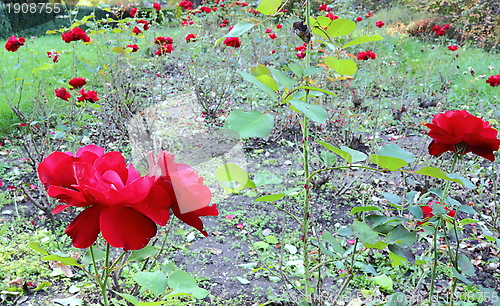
{"x":98,"y":279}
{"x":105,"y":275}
{"x":434,"y":268}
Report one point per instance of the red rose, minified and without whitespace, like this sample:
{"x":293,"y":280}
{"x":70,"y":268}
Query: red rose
{"x":301,"y":55}
{"x":74,"y":35}
{"x":222,"y":25}
{"x":268,"y":31}
{"x":90,"y":96}
{"x":134,"y":47}
{"x":369,"y":14}
{"x":241,"y":4}
{"x":78,"y":82}
{"x":494,"y":80}
{"x":54,"y":55}
{"x":187,"y":5}
{"x":62,"y":93}
{"x":164,"y":49}
{"x":279,"y":26}
{"x":133,"y":11}
{"x":145,"y":24}
{"x":119,"y":203}
{"x":13,"y":43}
{"x":460,"y":132}
{"x":453,"y":48}
{"x":325,"y":8}
{"x":332,"y":16}
{"x":157,"y":6}
{"x":366,"y":55}
{"x":301,"y":48}
{"x":379,"y":24}
{"x":160,"y":40}
{"x":427,"y":211}
{"x":358,"y":19}
{"x":272,"y":36}
{"x":189,"y":197}
{"x":440,"y":30}
{"x":190,"y":37}
{"x":205,"y":9}
{"x":136,"y":31}
{"x":234,"y":42}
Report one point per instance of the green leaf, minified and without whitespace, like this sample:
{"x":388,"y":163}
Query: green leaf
{"x":36,"y":246}
{"x":400,"y":235}
{"x":397,"y":299}
{"x":270,"y":198}
{"x":69,"y":261}
{"x":465,"y":265}
{"x":392,"y":198}
{"x":247,"y":76}
{"x":238,"y":29}
{"x":266,"y":178}
{"x":364,"y":232}
{"x":438,"y":173}
{"x":392,"y":157}
{"x":379,"y":245}
{"x":250,"y":124}
{"x":242,"y":280}
{"x":132,"y":299}
{"x":384,"y":281}
{"x":283,"y":78}
{"x":349,"y":155}
{"x":340,"y":27}
{"x":416,"y":211}
{"x":317,"y":89}
{"x":297,"y":69}
{"x":335,"y":243}
{"x":185,"y":284}
{"x":268,"y":7}
{"x":142,"y":254}
{"x":328,"y":158}
{"x":364,"y":208}
{"x":362,"y":39}
{"x":314,"y":112}
{"x":467,"y":209}
{"x":156,"y":282}
{"x":460,"y":276}
{"x":291,"y":248}
{"x":263,"y":74}
{"x":311,"y":71}
{"x":342,"y":67}
{"x":231,"y":173}
{"x":261,"y":245}
{"x":271,"y":239}
{"x":396,"y":260}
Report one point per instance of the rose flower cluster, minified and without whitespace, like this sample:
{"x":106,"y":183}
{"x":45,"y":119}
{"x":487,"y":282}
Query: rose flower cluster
{"x":120,"y":204}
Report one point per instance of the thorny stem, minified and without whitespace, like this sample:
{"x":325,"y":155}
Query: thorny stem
{"x":434,"y":268}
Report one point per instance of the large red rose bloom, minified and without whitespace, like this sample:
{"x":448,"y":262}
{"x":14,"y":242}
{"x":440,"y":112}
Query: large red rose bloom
{"x":120,"y":204}
{"x":460,"y":132}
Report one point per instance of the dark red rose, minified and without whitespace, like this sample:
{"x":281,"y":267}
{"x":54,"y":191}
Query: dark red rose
{"x":62,"y":93}
{"x":78,"y":82}
{"x":358,"y":19}
{"x":157,"y":6}
{"x":379,"y":24}
{"x":366,"y":55}
{"x":427,"y":211}
{"x":187,"y":5}
{"x":279,"y":26}
{"x":90,"y":96}
{"x":133,"y":11}
{"x":54,"y":55}
{"x":13,"y":43}
{"x":205,"y":9}
{"x":74,"y":35}
{"x":234,"y":42}
{"x":120,"y":204}
{"x":453,"y":48}
{"x":494,"y":80}
{"x":134,"y":47}
{"x":460,"y":132}
{"x":164,"y":49}
{"x":332,"y":16}
{"x":273,"y":36}
{"x":190,"y":37}
{"x":163,"y":39}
